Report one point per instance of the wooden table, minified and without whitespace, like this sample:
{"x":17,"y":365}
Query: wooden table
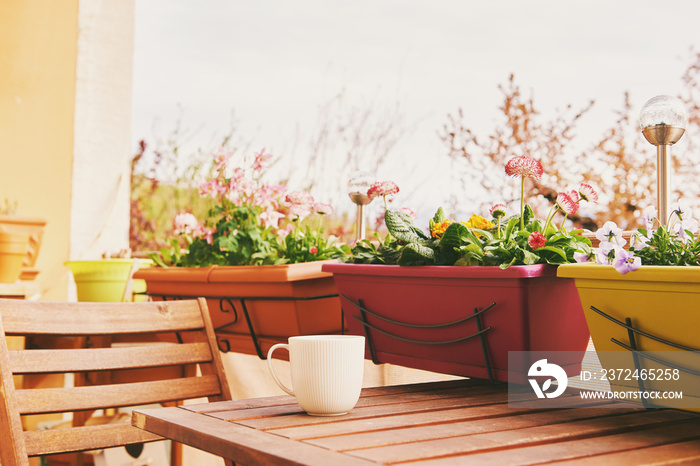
{"x":441,"y":423}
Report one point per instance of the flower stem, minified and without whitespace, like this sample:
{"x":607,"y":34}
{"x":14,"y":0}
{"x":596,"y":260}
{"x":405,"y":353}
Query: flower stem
{"x":563,"y":221}
{"x":522,"y":202}
{"x":550,"y":217}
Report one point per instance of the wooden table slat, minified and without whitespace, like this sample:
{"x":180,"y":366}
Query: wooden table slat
{"x":683,"y":451}
{"x":301,"y":419}
{"x":392,"y":390}
{"x":234,"y":412}
{"x":634,"y":447}
{"x":291,"y":416}
{"x":519,"y":437}
{"x":432,"y":428}
{"x":251,"y":446}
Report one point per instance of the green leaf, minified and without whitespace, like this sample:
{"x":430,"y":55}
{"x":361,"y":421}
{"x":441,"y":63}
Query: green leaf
{"x":485,"y":235}
{"x":512,"y":224}
{"x":158,"y":259}
{"x":471,"y":254}
{"x":558,"y":253}
{"x":416,"y":254}
{"x":401,"y":227}
{"x":389,"y":255}
{"x":530,"y":258}
{"x":438,"y":218}
{"x":455,"y":235}
{"x":469,"y":259}
{"x":506,"y":265}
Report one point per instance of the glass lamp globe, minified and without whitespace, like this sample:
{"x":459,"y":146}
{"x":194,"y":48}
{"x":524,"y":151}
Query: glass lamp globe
{"x":358,"y":185}
{"x":663,"y":110}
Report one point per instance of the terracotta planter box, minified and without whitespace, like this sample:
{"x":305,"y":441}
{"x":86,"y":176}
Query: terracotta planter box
{"x":661,"y":303}
{"x":254,"y":307}
{"x":533,"y":311}
{"x":13,"y":248}
{"x":32,"y":226}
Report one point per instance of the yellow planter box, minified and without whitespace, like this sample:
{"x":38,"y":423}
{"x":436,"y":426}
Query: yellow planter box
{"x":106,"y":280}
{"x":660,"y":301}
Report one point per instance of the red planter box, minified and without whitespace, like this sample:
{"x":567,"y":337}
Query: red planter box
{"x":525,"y":308}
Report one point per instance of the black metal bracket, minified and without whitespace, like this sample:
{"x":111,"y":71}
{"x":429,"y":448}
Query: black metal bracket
{"x":224,"y":345}
{"x":636,"y":354}
{"x":368,"y":328}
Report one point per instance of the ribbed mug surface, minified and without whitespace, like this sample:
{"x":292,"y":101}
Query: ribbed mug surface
{"x":326,"y":372}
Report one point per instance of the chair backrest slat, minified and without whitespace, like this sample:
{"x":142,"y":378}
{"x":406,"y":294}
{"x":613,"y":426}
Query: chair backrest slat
{"x":109,"y":435}
{"x":95,"y":359}
{"x":113,"y":355}
{"x":57,"y":400}
{"x":99,"y":318}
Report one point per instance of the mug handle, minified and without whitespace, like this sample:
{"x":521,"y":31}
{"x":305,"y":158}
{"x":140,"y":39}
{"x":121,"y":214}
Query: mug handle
{"x":272,"y":371}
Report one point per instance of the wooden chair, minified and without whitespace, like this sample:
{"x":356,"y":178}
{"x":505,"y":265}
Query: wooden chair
{"x":117,"y":356}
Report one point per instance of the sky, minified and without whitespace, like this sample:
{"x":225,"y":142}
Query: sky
{"x":271,"y":67}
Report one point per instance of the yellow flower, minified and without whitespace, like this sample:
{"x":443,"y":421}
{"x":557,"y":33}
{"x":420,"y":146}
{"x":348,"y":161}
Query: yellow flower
{"x":477,"y":221}
{"x":440,"y":228}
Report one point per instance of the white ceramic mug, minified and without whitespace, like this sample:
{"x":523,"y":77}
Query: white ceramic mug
{"x":326,"y":372}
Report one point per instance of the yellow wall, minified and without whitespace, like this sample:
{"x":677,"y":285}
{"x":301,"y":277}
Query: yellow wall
{"x":38,"y":53}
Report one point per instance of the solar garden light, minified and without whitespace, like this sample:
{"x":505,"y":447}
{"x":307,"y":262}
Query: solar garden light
{"x":358,"y":185}
{"x":663,"y":120}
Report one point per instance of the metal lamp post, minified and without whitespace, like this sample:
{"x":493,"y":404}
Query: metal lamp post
{"x":663,"y":120}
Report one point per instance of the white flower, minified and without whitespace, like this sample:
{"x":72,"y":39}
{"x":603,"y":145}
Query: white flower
{"x":611,"y":233}
{"x":604,"y":252}
{"x":270,"y":218}
{"x":638,"y":241}
{"x":185,"y":223}
{"x":688,"y":224}
{"x":649,"y":215}
{"x":581,"y":257}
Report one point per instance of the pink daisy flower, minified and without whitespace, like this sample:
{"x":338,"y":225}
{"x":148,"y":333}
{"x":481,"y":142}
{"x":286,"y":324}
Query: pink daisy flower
{"x":299,"y":198}
{"x":565,"y":203}
{"x":523,"y":167}
{"x":299,"y":211}
{"x":498,"y":210}
{"x":382,"y":188}
{"x":323,"y":209}
{"x":536,"y":240}
{"x":588,"y":193}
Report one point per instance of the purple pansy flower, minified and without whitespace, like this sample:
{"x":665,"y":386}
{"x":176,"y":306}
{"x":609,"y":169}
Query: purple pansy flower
{"x":625,"y":261}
